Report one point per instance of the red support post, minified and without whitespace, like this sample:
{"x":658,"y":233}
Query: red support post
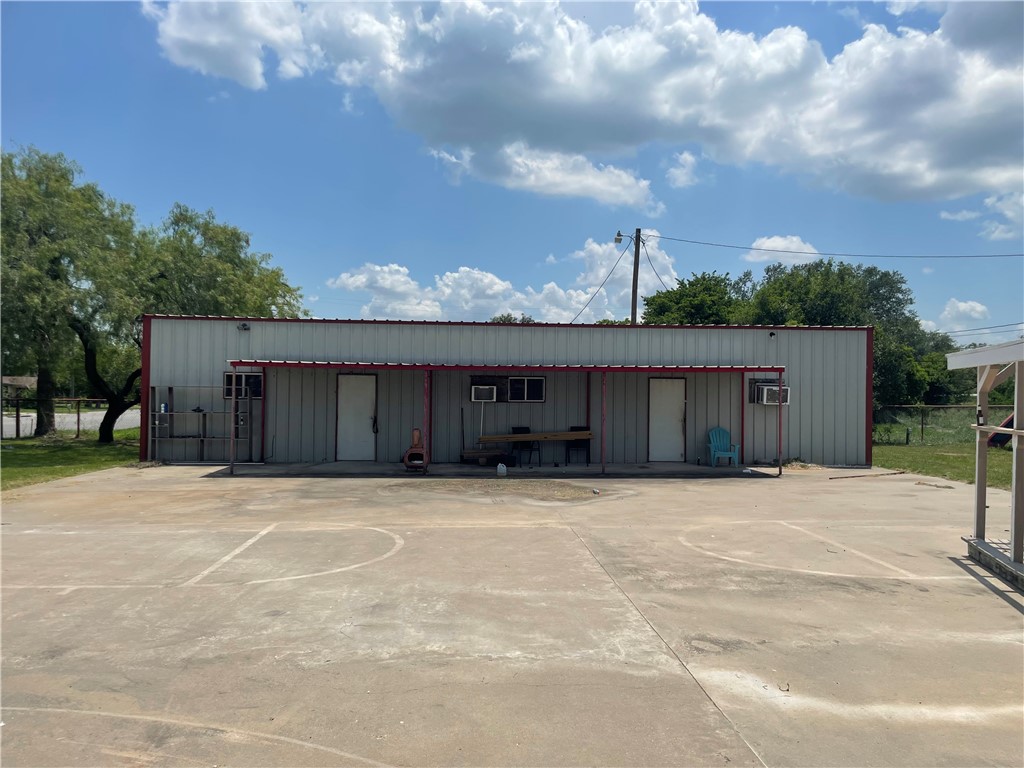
{"x":144,"y":404}
{"x":263,"y":419}
{"x":869,"y":395}
{"x":427,"y":432}
{"x":780,"y":421}
{"x":233,"y":420}
{"x":588,"y":400}
{"x":743,"y":416}
{"x":604,"y":417}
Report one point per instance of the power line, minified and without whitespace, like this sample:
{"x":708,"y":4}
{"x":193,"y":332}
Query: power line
{"x":652,"y":266}
{"x":602,"y":283}
{"x":981,"y":328}
{"x":843,"y":255}
{"x":985,"y":333}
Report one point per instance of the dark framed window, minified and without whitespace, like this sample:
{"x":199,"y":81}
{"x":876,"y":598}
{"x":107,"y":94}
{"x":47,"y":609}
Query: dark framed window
{"x":242,"y":381}
{"x":526,"y":389}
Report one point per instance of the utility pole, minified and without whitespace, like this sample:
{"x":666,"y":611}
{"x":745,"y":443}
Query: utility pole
{"x":636,"y":275}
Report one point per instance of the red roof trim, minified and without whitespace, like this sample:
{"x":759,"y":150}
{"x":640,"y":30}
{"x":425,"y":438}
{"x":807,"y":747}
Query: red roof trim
{"x":494,"y":367}
{"x":312,"y":320}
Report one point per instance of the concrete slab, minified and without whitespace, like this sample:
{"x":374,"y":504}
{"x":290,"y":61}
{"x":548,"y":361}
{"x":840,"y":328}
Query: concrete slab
{"x":167,"y":616}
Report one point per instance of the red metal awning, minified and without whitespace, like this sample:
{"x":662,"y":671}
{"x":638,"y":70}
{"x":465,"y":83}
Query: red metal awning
{"x":257,"y":363}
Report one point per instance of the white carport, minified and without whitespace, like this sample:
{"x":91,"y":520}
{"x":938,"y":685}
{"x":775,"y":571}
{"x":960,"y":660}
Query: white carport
{"x":995,"y":364}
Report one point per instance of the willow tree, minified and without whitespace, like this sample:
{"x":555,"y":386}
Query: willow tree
{"x":50,"y":224}
{"x":77,"y":267}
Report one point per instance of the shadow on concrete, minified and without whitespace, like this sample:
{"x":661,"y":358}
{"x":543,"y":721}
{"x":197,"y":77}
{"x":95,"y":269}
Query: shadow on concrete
{"x":1006,"y":591}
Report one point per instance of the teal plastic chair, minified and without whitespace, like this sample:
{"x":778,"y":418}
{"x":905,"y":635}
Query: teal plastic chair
{"x":719,"y":445}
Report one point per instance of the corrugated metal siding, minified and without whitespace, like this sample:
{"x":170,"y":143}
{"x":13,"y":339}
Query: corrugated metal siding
{"x":826,"y":422}
{"x":712,"y":400}
{"x":825,"y":369}
{"x":302,"y":414}
{"x":565,"y":406}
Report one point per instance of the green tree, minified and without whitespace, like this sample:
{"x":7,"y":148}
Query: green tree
{"x":898,"y":377}
{"x":76,"y":266}
{"x":825,"y":292}
{"x":49,"y":225}
{"x":705,"y":299}
{"x":623,"y":321}
{"x":192,"y":264}
{"x":508,"y":317}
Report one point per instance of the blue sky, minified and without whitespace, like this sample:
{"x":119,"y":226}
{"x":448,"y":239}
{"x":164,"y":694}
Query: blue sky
{"x":452,"y":162}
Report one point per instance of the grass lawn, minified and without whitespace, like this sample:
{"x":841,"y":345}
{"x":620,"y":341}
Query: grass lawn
{"x":40,"y":459}
{"x":953,"y":462}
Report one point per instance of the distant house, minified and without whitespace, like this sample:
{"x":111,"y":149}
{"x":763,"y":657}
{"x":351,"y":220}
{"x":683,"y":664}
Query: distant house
{"x":317,"y":390}
{"x":15,"y":385}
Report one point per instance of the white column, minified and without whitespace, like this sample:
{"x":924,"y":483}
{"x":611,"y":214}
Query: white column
{"x":1017,"y":484}
{"x":981,"y":456}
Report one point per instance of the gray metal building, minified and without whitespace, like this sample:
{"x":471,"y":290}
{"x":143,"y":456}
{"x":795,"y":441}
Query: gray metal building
{"x":312,"y":390}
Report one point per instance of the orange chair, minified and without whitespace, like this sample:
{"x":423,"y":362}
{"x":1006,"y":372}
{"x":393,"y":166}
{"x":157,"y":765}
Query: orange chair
{"x":415,"y":459}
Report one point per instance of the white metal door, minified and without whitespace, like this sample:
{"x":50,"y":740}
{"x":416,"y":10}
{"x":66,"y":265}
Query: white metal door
{"x":667,"y":420}
{"x":357,"y":408}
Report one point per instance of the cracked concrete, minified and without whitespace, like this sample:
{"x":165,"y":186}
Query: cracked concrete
{"x":170,"y":616}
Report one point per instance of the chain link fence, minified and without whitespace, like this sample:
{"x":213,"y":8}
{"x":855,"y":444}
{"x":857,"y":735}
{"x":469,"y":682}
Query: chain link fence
{"x":931,"y":424}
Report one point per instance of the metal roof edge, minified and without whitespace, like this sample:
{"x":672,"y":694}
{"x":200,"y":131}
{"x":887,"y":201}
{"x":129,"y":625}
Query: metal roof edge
{"x":484,"y":323}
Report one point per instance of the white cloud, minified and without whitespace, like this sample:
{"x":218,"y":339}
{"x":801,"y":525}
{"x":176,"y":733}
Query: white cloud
{"x":927,"y":270}
{"x":852,"y":12}
{"x":682,"y":174}
{"x":394,"y":294}
{"x":531,"y":90}
{"x":996,"y":230}
{"x":929,"y":325}
{"x":517,"y":166}
{"x":551,"y":259}
{"x":958,"y":315}
{"x":456,"y":166}
{"x":959,"y":215}
{"x":219,"y":96}
{"x":474,"y":294}
{"x":782,"y":243}
{"x":901,"y":7}
{"x":1011,"y":207}
{"x":348,"y":105}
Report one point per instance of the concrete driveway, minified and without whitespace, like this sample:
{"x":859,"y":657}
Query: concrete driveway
{"x":173,"y":616}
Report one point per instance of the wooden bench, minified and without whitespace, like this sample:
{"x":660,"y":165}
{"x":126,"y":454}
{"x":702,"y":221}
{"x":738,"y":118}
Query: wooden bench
{"x":538,"y":437}
{"x":542,"y":437}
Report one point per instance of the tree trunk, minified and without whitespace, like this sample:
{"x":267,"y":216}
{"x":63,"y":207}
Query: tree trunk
{"x":118,"y":400}
{"x":115,"y":408}
{"x":45,"y":420}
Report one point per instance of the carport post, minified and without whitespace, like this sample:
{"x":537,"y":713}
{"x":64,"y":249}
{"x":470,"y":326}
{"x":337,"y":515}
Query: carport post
{"x":233,"y":420}
{"x":604,"y":414}
{"x":426,"y":417}
{"x":780,"y":421}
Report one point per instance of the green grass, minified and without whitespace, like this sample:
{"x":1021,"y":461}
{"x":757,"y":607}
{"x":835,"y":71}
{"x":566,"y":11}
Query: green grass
{"x":953,"y":462}
{"x":41,"y":459}
{"x":942,"y":426}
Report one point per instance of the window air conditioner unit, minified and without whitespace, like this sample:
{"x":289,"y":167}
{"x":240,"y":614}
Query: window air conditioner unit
{"x":483,"y":394}
{"x":769,"y":395}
